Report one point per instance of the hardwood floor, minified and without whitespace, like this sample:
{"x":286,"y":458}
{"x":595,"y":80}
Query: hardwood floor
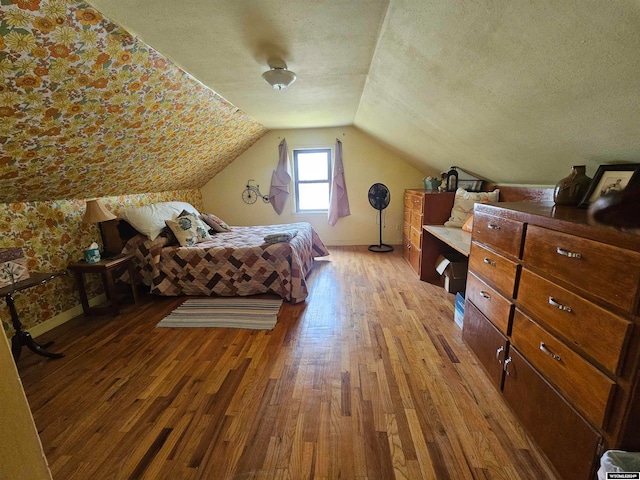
{"x":368,"y":379}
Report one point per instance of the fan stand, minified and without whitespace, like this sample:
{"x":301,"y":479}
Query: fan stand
{"x":381,"y":247}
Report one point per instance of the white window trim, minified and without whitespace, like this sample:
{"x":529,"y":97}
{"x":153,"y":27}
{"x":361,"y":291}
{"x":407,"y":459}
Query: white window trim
{"x":292,"y":149}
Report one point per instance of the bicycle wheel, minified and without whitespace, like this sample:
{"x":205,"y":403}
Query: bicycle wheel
{"x":249,"y":196}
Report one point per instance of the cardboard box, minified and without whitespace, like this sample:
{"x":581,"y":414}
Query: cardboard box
{"x":13,"y":266}
{"x":453,"y":269}
{"x":458,"y":316}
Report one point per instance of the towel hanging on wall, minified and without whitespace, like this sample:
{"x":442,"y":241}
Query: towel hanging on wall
{"x":280,"y":179}
{"x":339,"y":203}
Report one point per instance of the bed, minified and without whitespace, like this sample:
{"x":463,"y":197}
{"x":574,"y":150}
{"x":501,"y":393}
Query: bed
{"x":232,"y":263}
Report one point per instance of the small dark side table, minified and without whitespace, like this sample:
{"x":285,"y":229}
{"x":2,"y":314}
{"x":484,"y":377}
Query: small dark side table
{"x":21,"y":337}
{"x":105,"y":268}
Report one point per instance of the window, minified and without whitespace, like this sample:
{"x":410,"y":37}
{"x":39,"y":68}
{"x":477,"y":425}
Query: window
{"x":312,"y":174}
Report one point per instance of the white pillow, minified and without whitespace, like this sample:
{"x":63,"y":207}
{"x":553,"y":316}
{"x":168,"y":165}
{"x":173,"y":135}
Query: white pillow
{"x":149,"y":219}
{"x":189,"y":230}
{"x":463,"y":205}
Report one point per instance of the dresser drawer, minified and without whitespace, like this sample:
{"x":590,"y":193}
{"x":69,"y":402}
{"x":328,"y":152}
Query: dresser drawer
{"x":416,"y":220}
{"x":494,"y":268}
{"x":406,"y":229}
{"x":408,"y":201}
{"x":414,"y":258}
{"x":492,"y":304}
{"x":605,"y":271}
{"x":584,"y":385}
{"x":487,"y":343}
{"x":596,"y":332}
{"x":406,"y":248}
{"x":501,"y":234}
{"x":415,"y":237}
{"x":570,"y":443}
{"x":407,"y":216}
{"x":417,"y":203}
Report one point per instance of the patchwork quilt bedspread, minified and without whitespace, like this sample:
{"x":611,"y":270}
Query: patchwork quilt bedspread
{"x":235,"y":263}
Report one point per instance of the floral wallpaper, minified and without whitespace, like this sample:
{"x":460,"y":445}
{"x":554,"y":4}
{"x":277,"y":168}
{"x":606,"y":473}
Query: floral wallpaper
{"x":87,"y":110}
{"x":52,"y":235}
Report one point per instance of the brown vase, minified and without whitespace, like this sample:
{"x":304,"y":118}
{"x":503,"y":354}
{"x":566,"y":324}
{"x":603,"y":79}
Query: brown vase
{"x":570,"y":190}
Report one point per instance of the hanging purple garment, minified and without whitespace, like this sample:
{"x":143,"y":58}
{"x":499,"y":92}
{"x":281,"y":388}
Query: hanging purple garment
{"x":280,"y":180}
{"x":339,"y":204}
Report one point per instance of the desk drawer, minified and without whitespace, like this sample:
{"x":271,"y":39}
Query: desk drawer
{"x":605,"y":271}
{"x":494,"y":268}
{"x":585,"y":386}
{"x":502,"y":234}
{"x":493,"y":305}
{"x":595,"y":331}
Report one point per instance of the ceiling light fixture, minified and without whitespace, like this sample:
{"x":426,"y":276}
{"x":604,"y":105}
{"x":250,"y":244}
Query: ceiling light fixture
{"x":279,"y":77}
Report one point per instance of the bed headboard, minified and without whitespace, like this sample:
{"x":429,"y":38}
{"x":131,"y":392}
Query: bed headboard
{"x":114,"y":236}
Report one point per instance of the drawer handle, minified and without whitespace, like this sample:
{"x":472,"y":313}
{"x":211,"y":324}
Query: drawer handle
{"x":498,"y":352}
{"x":493,"y":227}
{"x":484,"y":294}
{"x":507,"y":361}
{"x":489,"y":262}
{"x":559,"y":306}
{"x":546,"y":351}
{"x":567,"y":253}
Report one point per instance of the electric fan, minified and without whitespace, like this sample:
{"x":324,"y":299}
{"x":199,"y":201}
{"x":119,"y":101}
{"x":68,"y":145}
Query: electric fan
{"x":379,"y":198}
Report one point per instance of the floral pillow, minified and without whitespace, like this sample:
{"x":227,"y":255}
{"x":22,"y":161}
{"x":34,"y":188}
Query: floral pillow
{"x":216,"y":224}
{"x":463,"y":205}
{"x":188,"y":229}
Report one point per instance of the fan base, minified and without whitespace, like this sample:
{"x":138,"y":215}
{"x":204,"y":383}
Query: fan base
{"x":382,"y":248}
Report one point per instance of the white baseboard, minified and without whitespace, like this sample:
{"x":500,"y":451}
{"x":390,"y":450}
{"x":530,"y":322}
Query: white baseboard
{"x":63,"y":317}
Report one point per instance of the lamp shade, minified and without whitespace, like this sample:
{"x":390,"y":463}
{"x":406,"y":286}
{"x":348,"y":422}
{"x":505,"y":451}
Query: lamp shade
{"x":96,"y":212}
{"x":279,"y":78}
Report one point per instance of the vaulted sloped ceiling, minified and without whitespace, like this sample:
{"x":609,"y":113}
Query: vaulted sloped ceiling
{"x":514,"y":91}
{"x":87,"y":110}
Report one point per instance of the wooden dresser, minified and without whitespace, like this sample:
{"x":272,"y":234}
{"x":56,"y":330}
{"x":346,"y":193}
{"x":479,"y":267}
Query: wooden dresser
{"x":423,"y":208}
{"x":551,"y":314}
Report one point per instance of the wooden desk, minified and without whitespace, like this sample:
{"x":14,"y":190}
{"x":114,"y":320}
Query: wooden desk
{"x":105,"y":268}
{"x":439,"y":240}
{"x":454,"y":237}
{"x":21,"y":337}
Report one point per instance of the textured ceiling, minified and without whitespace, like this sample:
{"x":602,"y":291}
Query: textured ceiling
{"x":514,"y":91}
{"x":227,"y":45}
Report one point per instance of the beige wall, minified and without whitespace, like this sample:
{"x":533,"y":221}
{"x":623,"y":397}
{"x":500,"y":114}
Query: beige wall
{"x":365,"y":163}
{"x":20,"y":449}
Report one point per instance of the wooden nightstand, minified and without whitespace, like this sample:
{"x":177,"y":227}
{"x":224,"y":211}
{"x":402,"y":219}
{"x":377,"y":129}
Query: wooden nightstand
{"x":106,"y":268}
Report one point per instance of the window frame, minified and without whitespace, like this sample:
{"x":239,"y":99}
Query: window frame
{"x":297,"y":182}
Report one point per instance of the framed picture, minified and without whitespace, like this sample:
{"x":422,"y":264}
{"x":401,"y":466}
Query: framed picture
{"x":610,"y":179}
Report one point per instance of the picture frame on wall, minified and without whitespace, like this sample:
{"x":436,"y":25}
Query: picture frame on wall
{"x":610,"y":179}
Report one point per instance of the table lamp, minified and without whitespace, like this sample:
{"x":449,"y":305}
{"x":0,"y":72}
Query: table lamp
{"x":96,"y":212}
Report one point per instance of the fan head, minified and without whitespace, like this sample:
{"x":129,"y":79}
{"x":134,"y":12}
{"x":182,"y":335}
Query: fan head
{"x":379,"y":196}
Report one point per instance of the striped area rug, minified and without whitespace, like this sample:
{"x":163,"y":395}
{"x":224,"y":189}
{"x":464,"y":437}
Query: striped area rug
{"x":227,"y":312}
